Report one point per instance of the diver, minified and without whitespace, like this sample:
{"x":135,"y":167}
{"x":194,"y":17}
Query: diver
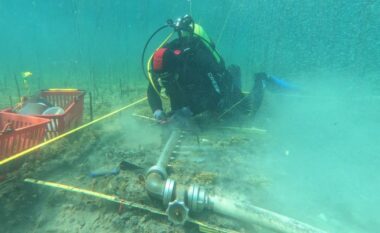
{"x":192,"y":75}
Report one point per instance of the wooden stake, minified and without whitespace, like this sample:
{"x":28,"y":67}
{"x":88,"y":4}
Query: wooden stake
{"x":17,"y":88}
{"x":10,"y":101}
{"x":91,"y":110}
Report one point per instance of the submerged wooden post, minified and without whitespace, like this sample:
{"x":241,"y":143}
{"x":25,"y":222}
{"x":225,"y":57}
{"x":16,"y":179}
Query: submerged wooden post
{"x":121,"y":88}
{"x":10,"y":101}
{"x":17,"y":88}
{"x":91,"y":110}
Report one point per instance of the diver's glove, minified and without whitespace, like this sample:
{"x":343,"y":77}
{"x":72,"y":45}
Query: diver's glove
{"x":159,"y":115}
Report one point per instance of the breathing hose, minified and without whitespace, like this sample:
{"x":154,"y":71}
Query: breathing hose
{"x":148,"y":65}
{"x":146,"y":45}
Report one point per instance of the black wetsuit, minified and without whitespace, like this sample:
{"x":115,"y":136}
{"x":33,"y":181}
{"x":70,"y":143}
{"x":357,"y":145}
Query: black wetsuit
{"x":202,"y":82}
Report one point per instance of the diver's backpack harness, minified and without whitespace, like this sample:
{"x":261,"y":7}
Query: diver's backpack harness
{"x":185,"y":28}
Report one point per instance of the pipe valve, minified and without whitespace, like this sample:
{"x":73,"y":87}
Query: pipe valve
{"x":177,"y":212}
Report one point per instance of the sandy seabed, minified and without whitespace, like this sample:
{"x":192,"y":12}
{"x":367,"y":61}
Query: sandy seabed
{"x":209,"y":155}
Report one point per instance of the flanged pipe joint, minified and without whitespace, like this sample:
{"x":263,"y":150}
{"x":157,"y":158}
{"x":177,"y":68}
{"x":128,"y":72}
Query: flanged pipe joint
{"x":181,"y":200}
{"x":169,"y":191}
{"x":178,"y":199}
{"x":197,"y":199}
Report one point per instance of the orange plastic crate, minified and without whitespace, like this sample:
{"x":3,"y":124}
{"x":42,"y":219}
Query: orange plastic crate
{"x":72,"y":102}
{"x":20,"y":132}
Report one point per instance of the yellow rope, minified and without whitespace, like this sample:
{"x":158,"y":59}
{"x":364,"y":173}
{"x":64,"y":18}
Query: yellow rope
{"x":225,"y":23}
{"x":144,"y":117}
{"x":251,"y":129}
{"x":204,"y":227}
{"x":23,"y":153}
{"x":232,"y":107}
{"x":94,"y":194}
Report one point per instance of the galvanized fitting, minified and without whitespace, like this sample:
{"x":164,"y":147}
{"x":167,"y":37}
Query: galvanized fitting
{"x":158,"y":169}
{"x":197,"y":198}
{"x":169,"y":191}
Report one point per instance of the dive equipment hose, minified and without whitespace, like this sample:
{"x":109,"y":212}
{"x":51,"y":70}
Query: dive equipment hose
{"x":146,"y":45}
{"x":148,"y":65}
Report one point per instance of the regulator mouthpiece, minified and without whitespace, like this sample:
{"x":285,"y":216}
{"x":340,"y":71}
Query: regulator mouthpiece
{"x":170,"y":23}
{"x":181,"y":24}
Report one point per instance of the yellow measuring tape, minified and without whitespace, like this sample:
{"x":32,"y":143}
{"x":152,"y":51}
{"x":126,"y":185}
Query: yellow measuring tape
{"x":203,"y":227}
{"x":63,"y":89}
{"x":23,"y":153}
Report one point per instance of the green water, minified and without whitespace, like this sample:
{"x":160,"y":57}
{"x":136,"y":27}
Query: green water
{"x":323,"y":152}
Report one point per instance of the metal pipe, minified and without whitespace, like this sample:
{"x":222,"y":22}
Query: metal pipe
{"x":160,"y":166}
{"x":155,"y":185}
{"x":156,"y":182}
{"x":255,"y":215}
{"x":169,"y":146}
{"x":180,"y":201}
